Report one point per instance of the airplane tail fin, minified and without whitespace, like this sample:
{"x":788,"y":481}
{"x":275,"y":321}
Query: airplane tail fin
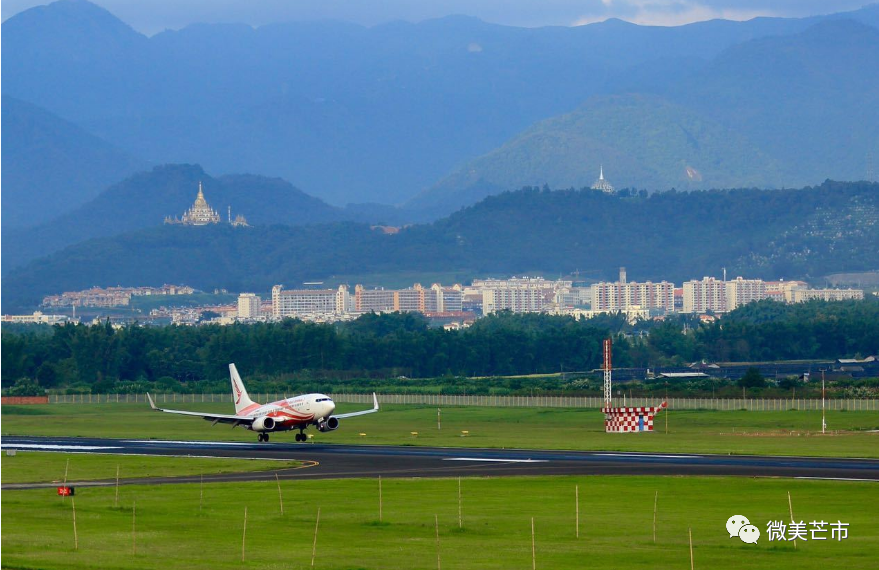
{"x":239,"y":392}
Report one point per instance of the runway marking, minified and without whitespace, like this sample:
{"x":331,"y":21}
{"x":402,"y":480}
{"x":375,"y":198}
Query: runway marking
{"x":497,"y":460}
{"x":53,"y":447}
{"x":837,"y":479}
{"x":166,"y":441}
{"x":637,"y":455}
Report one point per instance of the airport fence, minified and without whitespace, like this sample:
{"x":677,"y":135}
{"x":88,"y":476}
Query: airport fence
{"x":749,"y":404}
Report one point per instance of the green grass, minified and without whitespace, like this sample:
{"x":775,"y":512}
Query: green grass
{"x":736,"y":432}
{"x":615,"y":523}
{"x":39,"y":467}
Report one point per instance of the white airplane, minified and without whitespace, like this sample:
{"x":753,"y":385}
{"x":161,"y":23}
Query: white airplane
{"x":297,"y":412}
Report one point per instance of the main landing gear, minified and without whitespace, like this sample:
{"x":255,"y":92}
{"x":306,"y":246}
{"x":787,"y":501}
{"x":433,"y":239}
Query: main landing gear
{"x":263,"y":437}
{"x":301,"y":436}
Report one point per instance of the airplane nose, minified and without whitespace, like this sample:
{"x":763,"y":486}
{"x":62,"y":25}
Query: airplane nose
{"x":332,"y":407}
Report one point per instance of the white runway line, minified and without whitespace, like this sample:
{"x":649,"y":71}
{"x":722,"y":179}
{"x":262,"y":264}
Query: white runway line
{"x":637,"y":455}
{"x":496,"y":460}
{"x":838,"y":479}
{"x":51,"y":447}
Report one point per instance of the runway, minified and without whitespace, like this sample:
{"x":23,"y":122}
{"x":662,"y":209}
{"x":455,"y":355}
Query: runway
{"x":322,"y":461}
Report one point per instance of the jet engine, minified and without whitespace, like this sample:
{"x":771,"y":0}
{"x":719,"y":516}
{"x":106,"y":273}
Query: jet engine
{"x":265,"y":423}
{"x":329,"y":424}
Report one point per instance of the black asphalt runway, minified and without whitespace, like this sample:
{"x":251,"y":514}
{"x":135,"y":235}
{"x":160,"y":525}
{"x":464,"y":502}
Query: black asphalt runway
{"x":321,"y":461}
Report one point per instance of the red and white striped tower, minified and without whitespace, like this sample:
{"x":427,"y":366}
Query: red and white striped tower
{"x":623,"y":420}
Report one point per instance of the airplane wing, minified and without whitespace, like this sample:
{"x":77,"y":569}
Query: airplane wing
{"x":216,"y":418}
{"x":363,"y":412}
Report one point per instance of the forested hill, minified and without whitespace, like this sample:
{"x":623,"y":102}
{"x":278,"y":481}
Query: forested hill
{"x":672,"y":235}
{"x":144,"y":199}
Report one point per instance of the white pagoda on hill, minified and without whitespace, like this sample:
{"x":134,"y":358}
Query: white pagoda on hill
{"x":601,"y":183}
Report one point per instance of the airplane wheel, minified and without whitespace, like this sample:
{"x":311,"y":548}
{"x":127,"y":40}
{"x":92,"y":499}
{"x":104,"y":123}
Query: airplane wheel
{"x":266,"y":436}
{"x":259,"y":437}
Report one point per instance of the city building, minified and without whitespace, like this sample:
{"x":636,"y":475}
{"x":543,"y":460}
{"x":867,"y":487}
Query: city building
{"x":741,"y":291}
{"x":517,"y":294}
{"x":601,"y":183}
{"x":781,"y":291}
{"x":632,"y":313}
{"x":309,"y":303}
{"x":434,"y":300}
{"x":94,"y":297}
{"x":36,"y":318}
{"x":709,"y":294}
{"x":373,"y":300}
{"x":623,"y":294}
{"x":799,"y":295}
{"x":249,"y":306}
{"x":111,"y":296}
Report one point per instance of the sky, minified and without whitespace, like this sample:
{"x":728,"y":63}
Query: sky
{"x":152,"y":16}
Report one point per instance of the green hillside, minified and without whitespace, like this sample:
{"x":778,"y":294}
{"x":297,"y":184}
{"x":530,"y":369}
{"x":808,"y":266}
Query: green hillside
{"x":776,"y":111}
{"x":144,"y":199}
{"x":672,"y":235}
{"x":642,"y":141}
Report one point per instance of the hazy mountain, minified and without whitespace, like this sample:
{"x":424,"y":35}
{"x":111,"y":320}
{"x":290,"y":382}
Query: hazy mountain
{"x":771,"y":112}
{"x":671,"y":235}
{"x":810,"y":99}
{"x":143,"y":200}
{"x":51,"y":166}
{"x":356,"y":114}
{"x":641,"y":141}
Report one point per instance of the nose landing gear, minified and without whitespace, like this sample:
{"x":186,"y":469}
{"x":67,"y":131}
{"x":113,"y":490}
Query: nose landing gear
{"x":301,"y":437}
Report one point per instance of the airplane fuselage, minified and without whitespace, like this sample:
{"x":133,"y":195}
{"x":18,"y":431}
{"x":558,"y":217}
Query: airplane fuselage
{"x":291,"y":413}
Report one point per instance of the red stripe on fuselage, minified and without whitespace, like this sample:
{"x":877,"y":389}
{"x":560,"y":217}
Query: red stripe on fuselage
{"x":249,"y":409}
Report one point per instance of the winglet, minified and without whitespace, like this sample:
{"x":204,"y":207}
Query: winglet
{"x":152,"y":404}
{"x":374,"y":401}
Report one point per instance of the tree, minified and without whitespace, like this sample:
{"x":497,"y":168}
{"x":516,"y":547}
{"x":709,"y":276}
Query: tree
{"x":26,"y":387}
{"x":752,"y":379}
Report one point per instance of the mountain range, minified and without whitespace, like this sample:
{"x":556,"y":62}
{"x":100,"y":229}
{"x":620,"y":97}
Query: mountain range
{"x":438,"y":108}
{"x":52,"y":166}
{"x":771,"y":112}
{"x":799,"y":233}
{"x":145,"y":199}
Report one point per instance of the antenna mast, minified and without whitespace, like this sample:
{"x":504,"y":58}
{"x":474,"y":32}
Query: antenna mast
{"x":608,"y":387}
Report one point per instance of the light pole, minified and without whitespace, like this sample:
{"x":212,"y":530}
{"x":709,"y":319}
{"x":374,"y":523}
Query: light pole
{"x":823,"y":421}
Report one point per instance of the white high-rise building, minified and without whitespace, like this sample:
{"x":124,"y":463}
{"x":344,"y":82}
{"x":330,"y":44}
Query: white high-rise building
{"x":519,"y":294}
{"x":743,"y":291}
{"x":309,"y":303}
{"x":249,"y":306}
{"x":709,"y":294}
{"x":623,"y":295}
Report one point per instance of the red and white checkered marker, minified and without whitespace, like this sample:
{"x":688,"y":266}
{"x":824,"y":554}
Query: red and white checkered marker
{"x":624,"y":420}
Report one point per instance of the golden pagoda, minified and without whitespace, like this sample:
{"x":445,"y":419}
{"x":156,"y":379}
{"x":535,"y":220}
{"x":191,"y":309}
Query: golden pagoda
{"x":200,"y":214}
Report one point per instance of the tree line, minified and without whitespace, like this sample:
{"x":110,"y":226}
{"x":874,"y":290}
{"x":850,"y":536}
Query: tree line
{"x":393,"y":348}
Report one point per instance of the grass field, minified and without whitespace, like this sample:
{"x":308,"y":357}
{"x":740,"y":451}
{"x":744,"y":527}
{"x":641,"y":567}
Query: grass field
{"x":39,"y":467}
{"x":851,"y":434}
{"x":616,"y":527}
